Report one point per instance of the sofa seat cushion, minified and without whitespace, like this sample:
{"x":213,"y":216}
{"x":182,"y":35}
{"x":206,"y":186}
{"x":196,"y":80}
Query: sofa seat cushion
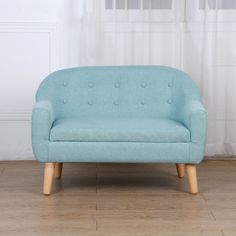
{"x":119,"y":130}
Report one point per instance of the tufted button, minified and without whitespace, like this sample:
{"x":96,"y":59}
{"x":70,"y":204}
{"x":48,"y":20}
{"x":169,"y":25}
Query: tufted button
{"x":116,"y":103}
{"x":144,"y":85}
{"x":170,"y":101}
{"x":170,"y":84}
{"x":91,"y":85}
{"x":117,"y":85}
{"x":64,"y":101}
{"x":143,"y":102}
{"x":65,"y":83}
{"x":90,"y":103}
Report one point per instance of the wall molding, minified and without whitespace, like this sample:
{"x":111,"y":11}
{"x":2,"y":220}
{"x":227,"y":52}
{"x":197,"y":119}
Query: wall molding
{"x":50,"y":28}
{"x":15,"y":116}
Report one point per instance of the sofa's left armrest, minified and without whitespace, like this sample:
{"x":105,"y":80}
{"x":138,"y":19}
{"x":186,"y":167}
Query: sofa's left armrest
{"x":194,"y":116}
{"x":43,"y":117}
{"x":42,"y":120}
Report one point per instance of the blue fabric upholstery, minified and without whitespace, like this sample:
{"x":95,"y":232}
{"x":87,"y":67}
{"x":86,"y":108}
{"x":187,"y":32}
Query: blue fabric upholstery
{"x":119,"y":114}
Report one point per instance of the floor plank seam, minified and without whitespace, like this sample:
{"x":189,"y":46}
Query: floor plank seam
{"x":2,"y":171}
{"x":202,"y":195}
{"x":213,"y":215}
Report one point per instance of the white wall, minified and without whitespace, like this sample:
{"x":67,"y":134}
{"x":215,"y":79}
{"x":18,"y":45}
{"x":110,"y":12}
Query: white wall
{"x":29,"y":50}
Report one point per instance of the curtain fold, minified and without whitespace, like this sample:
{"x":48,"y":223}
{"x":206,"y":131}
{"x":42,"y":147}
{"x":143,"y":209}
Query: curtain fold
{"x":194,"y":36}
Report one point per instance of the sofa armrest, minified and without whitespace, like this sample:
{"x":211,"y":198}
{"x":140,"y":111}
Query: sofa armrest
{"x":194,"y":117}
{"x":43,"y":117}
{"x":42,"y":120}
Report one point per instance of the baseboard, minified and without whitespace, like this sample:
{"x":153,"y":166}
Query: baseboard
{"x":16,"y":158}
{"x":220,"y":158}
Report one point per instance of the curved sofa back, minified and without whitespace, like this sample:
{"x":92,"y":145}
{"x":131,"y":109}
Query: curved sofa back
{"x":119,"y":91}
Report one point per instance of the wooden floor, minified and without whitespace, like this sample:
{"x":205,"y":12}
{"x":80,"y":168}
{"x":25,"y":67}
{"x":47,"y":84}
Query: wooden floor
{"x":108,"y":200}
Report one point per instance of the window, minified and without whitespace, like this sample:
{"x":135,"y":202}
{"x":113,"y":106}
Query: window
{"x":120,"y":4}
{"x":217,"y":4}
{"x":133,"y":4}
{"x":138,"y":4}
{"x":157,"y":4}
{"x":137,"y":11}
{"x":211,"y":11}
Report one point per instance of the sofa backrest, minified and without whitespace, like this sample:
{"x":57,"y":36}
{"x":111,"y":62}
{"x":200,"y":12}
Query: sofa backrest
{"x":119,"y":91}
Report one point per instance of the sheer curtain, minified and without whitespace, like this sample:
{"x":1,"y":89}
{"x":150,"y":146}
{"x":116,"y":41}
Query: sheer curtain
{"x":195,"y":36}
{"x":210,"y":58}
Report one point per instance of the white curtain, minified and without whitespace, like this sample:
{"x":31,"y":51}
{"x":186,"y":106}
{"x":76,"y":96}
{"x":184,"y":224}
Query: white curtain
{"x":197,"y":36}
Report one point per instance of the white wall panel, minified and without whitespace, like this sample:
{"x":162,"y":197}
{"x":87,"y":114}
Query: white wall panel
{"x":15,"y":139}
{"x":29,"y":10}
{"x":24,"y":61}
{"x":28,"y":53}
{"x":30,"y":40}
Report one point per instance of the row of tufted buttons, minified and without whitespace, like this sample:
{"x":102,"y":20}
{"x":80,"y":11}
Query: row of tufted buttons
{"x":117,"y":84}
{"x":116,"y":103}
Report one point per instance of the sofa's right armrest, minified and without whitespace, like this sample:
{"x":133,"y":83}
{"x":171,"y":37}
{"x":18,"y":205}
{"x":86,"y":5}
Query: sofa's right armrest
{"x":43,"y":117}
{"x":195,"y":118}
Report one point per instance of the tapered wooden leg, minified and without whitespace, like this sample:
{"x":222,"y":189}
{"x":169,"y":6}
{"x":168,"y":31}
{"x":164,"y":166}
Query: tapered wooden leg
{"x":192,"y":178}
{"x":180,"y":170}
{"x":58,"y":170}
{"x":48,"y":178}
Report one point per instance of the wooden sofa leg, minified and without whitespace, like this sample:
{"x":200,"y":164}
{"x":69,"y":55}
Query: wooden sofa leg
{"x":192,"y":178}
{"x":48,"y":178}
{"x":180,"y":170}
{"x":58,"y":170}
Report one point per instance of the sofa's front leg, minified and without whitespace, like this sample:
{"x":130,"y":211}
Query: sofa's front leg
{"x":58,"y":170}
{"x":48,"y":178}
{"x":180,"y":170}
{"x":192,"y":178}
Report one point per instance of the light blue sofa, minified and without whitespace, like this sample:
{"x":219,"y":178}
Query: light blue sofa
{"x":131,"y":114}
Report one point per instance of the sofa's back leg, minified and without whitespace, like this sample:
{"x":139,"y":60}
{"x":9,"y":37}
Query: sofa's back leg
{"x":58,"y":170}
{"x":192,"y":178}
{"x":180,"y":170}
{"x":48,"y":178}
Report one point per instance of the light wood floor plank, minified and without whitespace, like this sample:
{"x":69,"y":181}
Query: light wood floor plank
{"x":119,"y":200}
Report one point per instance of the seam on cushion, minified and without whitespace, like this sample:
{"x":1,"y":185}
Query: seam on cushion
{"x":69,"y":141}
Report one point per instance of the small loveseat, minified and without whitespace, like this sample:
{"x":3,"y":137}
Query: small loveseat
{"x":124,"y":114}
